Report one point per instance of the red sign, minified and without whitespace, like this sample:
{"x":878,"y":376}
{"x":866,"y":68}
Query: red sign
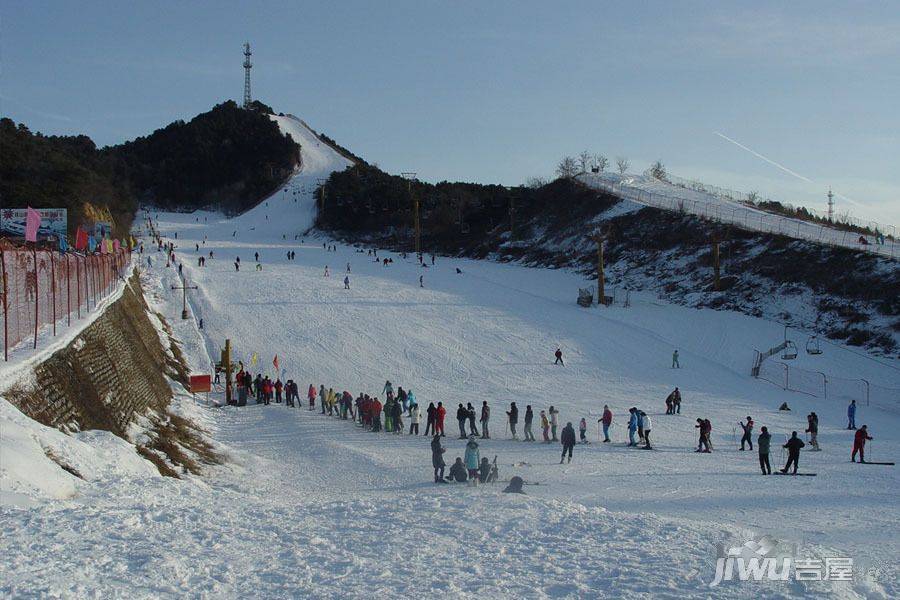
{"x":201,"y":383}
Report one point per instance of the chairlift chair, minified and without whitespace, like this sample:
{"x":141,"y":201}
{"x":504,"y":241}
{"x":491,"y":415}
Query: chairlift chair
{"x":812,"y":345}
{"x":790,"y":350}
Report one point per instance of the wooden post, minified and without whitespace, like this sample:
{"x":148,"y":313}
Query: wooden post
{"x":226,"y":365}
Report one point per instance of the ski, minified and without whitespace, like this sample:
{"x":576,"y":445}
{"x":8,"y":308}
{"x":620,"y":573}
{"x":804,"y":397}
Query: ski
{"x":869,"y":462}
{"x":795,"y":474}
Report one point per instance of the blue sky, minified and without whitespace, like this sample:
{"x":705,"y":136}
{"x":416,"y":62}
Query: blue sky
{"x":496,"y":91}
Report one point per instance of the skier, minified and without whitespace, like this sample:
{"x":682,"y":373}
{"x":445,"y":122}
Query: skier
{"x":763,"y":445}
{"x":278,"y":389}
{"x":676,"y":402}
{"x":439,"y":415}
{"x":554,"y":422}
{"x":484,"y":471}
{"x":851,"y":415}
{"x":256,"y":256}
{"x":388,"y":390}
{"x":529,"y":417}
{"x":640,"y":425}
{"x":632,"y":426}
{"x":326,"y":270}
{"x":812,"y":422}
{"x":437,"y":459}
{"x":458,"y":471}
{"x":582,"y":430}
{"x":410,"y":398}
{"x":485,"y":418}
{"x":748,"y":431}
{"x":461,"y":415}
{"x":473,"y":457}
{"x":346,"y":283}
{"x":322,"y":394}
{"x":704,"y":427}
{"x":568,"y":441}
{"x":793,"y":446}
{"x":470,"y":412}
{"x":859,"y":444}
{"x":348,"y":267}
{"x":606,"y":419}
{"x":414,"y":419}
{"x":397,"y":417}
{"x":513,"y":416}
{"x":670,"y":409}
{"x":675,"y":364}
{"x":311,"y":395}
{"x":545,"y":427}
{"x":421,"y":284}
{"x":559,"y":360}
{"x":647,"y":426}
{"x":429,"y":419}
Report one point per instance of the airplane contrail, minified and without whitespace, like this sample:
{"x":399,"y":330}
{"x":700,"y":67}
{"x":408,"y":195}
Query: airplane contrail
{"x":783,"y":168}
{"x":768,"y":160}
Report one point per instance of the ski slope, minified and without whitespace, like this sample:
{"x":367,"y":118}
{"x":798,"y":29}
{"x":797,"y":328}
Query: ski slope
{"x":312,"y":506}
{"x":650,"y":191}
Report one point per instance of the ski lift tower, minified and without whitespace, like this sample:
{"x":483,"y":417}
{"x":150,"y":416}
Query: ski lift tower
{"x":247,"y":66}
{"x":830,"y":205}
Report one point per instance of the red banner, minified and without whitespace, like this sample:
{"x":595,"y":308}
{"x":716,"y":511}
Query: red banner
{"x":201,"y":383}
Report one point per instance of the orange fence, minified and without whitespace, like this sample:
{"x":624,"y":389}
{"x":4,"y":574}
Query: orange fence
{"x":42,"y":288}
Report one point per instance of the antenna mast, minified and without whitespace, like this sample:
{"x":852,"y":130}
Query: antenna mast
{"x":247,"y":66}
{"x":830,"y":205}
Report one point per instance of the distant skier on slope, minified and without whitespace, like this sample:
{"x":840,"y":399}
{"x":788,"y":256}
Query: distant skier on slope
{"x":347,"y":283}
{"x":762,"y":443}
{"x":748,"y":431}
{"x":470,"y":412}
{"x":582,"y":430}
{"x":430,"y":419}
{"x":851,"y":415}
{"x":568,"y":441}
{"x":458,"y":471}
{"x":859,"y":444}
{"x":606,"y":420}
{"x":648,"y":425}
{"x":793,"y":446}
{"x":439,"y":415}
{"x":473,"y":457}
{"x":554,"y":422}
{"x":559,"y":359}
{"x":512,"y":416}
{"x":675,"y":364}
{"x":529,"y":417}
{"x":437,"y":459}
{"x":485,"y":418}
{"x":545,"y":427}
{"x":812,"y":428}
{"x":414,"y":419}
{"x":311,"y":395}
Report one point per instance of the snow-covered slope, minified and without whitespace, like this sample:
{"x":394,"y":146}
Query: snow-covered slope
{"x":313,"y":506}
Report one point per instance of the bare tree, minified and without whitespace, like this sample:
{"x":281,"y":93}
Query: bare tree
{"x":601,"y":163}
{"x":585,"y":161}
{"x":658,"y":171}
{"x":623,"y":164}
{"x":567,"y":168}
{"x":535,"y":182}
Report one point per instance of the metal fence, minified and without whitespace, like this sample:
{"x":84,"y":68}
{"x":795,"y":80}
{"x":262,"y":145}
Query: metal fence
{"x":750,"y":218}
{"x":822,"y":385}
{"x":44,"y":288}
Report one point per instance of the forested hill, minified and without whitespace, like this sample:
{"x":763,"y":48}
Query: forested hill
{"x":228,"y":159}
{"x":62,"y":172}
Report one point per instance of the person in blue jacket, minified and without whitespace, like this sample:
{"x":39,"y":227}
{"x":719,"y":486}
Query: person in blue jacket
{"x":632,"y":426}
{"x":410,"y":398}
{"x":851,"y":415}
{"x":473,"y":458}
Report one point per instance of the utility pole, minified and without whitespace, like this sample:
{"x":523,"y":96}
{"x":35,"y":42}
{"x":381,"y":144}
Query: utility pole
{"x":601,"y":293}
{"x":410,"y":177}
{"x":322,"y":183}
{"x":184,"y":287}
{"x":247,"y":66}
{"x":830,"y":206}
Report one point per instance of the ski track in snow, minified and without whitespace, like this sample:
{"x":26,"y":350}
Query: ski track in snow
{"x":311,"y":506}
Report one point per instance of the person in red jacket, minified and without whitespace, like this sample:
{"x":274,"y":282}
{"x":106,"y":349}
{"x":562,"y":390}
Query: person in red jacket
{"x":376,"y":414}
{"x":278,"y":388}
{"x":859,"y":444}
{"x":606,"y":419}
{"x":439,"y":419}
{"x":311,"y":394}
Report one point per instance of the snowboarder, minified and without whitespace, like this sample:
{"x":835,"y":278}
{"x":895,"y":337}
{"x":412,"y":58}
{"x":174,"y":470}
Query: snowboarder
{"x":582,"y":430}
{"x":529,"y":417}
{"x":648,"y":424}
{"x":812,"y":428}
{"x":437,"y":459}
{"x":859,"y":444}
{"x":568,"y":441}
{"x":763,"y":445}
{"x":851,"y":415}
{"x":606,"y":420}
{"x":559,"y":360}
{"x":485,"y":418}
{"x":513,"y":416}
{"x":470,"y":412}
{"x":554,"y":422}
{"x":748,"y":431}
{"x":793,"y":446}
{"x":473,"y":457}
{"x":414,"y":419}
{"x":347,"y":283}
{"x":675,"y":364}
{"x":545,"y":427}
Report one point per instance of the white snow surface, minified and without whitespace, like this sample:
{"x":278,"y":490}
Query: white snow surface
{"x":311,"y":506}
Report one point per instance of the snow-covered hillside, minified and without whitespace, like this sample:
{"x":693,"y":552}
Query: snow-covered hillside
{"x":313,"y":506}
